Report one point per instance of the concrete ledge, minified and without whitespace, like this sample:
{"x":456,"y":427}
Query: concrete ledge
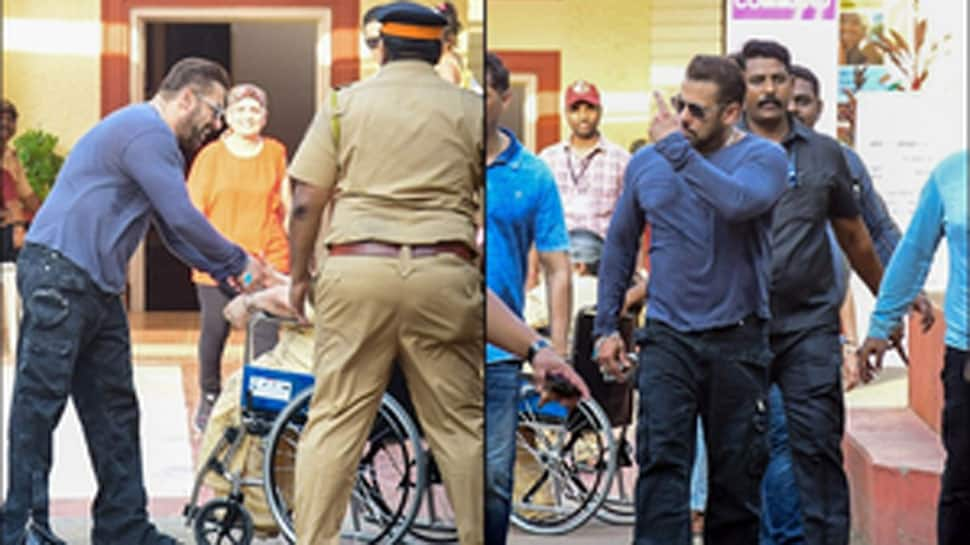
{"x":926,"y":352}
{"x":893,"y":461}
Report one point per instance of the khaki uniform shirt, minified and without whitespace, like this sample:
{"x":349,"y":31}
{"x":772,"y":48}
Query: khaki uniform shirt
{"x":408,"y":165}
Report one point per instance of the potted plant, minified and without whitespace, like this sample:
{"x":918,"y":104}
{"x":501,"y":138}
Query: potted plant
{"x":35,"y":149}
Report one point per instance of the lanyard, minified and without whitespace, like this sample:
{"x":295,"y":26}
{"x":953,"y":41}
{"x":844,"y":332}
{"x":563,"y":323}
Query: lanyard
{"x":583,"y":164}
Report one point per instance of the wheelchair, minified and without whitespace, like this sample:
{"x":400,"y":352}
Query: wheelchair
{"x":390,"y":478}
{"x":399,"y":493}
{"x":586,"y":459}
{"x":572,"y":455}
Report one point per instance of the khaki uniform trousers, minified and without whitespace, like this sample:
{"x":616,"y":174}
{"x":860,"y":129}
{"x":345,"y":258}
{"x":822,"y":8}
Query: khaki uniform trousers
{"x":426,"y":313}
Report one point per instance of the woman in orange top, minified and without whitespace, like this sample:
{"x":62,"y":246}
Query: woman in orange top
{"x":236,"y":182}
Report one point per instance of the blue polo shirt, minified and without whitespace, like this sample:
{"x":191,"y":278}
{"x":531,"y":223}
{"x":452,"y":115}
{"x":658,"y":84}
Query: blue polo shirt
{"x":522,"y":207}
{"x":125,"y":172}
{"x":710,"y":247}
{"x":941,"y":211}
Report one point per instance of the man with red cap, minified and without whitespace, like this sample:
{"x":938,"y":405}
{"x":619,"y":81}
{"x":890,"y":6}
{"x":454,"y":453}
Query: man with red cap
{"x":588,"y":167}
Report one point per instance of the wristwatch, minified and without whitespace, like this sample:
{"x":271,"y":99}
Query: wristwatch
{"x":535,"y":347}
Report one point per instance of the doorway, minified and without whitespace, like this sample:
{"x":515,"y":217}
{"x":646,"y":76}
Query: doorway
{"x":286,"y":52}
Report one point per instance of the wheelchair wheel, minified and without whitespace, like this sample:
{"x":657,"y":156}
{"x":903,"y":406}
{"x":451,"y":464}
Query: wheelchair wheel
{"x":565,"y":465}
{"x":435,"y":522}
{"x":223,"y":522}
{"x":390,"y":477}
{"x":619,"y":507}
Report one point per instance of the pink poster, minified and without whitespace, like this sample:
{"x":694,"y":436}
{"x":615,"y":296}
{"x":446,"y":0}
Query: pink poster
{"x":786,"y":10}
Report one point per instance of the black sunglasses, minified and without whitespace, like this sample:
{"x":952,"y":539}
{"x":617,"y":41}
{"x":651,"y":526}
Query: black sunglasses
{"x":372,"y":43}
{"x":697,"y":111}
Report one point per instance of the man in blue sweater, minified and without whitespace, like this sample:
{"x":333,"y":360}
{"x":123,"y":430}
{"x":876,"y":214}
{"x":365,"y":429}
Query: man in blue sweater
{"x":707,"y":189}
{"x":74,"y":340}
{"x":941,"y":211}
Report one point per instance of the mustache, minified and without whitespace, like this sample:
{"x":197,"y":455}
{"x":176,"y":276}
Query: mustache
{"x":771,"y":99}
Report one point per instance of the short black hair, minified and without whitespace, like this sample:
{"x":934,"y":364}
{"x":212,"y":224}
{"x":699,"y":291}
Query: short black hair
{"x":9,"y":109}
{"x":196,"y":72}
{"x":371,"y":14}
{"x":770,"y":49}
{"x":496,"y":74}
{"x":721,"y":71}
{"x":396,"y":49}
{"x":800,"y":72}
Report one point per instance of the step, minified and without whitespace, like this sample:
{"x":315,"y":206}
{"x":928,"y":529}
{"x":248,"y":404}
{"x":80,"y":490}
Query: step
{"x":893,"y":461}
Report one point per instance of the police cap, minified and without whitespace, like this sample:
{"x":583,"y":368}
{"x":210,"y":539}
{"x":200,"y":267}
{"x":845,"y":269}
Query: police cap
{"x":411,"y":21}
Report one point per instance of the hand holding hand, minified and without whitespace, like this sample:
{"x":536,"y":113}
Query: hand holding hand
{"x":237,"y":312}
{"x":252,"y":277}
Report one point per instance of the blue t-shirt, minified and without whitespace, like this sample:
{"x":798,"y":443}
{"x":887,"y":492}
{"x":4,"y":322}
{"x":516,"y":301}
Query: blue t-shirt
{"x":710,"y":245}
{"x":941,"y":211}
{"x":123,"y":173}
{"x":522,"y":207}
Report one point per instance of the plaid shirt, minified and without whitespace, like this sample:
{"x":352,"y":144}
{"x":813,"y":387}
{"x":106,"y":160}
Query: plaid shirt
{"x":588,"y":186}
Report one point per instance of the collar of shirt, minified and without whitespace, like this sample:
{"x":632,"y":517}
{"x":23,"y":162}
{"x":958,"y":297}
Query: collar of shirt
{"x":405,"y":68}
{"x":601,"y":145}
{"x":511,"y":156}
{"x":796,"y":130}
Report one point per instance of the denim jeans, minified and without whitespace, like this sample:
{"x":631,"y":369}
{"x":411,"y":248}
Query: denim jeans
{"x":781,"y":517}
{"x":501,"y":418}
{"x":721,"y":374}
{"x":807,"y":368}
{"x":953,"y":518}
{"x":698,"y":474}
{"x":74,"y":342}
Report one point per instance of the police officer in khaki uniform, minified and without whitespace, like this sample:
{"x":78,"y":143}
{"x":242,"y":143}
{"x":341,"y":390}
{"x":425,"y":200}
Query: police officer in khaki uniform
{"x":400,"y":156}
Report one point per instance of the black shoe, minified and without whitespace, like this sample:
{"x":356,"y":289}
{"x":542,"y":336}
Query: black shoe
{"x":203,"y":411}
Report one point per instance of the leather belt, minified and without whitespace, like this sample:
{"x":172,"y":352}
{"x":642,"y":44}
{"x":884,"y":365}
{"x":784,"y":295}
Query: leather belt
{"x":386,"y":249}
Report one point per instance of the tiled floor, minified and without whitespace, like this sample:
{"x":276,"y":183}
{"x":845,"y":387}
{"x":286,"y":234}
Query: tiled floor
{"x":164,"y":346}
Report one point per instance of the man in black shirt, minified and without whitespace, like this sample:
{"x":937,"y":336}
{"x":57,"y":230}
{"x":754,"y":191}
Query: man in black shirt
{"x":804,"y":298}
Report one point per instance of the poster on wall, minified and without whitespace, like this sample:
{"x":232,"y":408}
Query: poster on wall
{"x":861,"y":58}
{"x":884,"y":45}
{"x":808,"y":28}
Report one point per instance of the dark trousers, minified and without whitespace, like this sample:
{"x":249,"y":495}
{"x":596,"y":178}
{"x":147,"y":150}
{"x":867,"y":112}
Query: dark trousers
{"x":953,"y":518}
{"x":212,"y":339}
{"x":722,"y":375}
{"x":781,"y":512}
{"x":807,"y":368}
{"x":74,"y":342}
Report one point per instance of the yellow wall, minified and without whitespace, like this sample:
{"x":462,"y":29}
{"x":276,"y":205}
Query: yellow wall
{"x":53,"y":74}
{"x":625,"y":47}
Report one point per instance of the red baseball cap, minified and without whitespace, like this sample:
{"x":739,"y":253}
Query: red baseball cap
{"x":582,"y":91}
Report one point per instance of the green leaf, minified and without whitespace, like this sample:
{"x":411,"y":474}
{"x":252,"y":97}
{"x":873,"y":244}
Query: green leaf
{"x":35,"y":149}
